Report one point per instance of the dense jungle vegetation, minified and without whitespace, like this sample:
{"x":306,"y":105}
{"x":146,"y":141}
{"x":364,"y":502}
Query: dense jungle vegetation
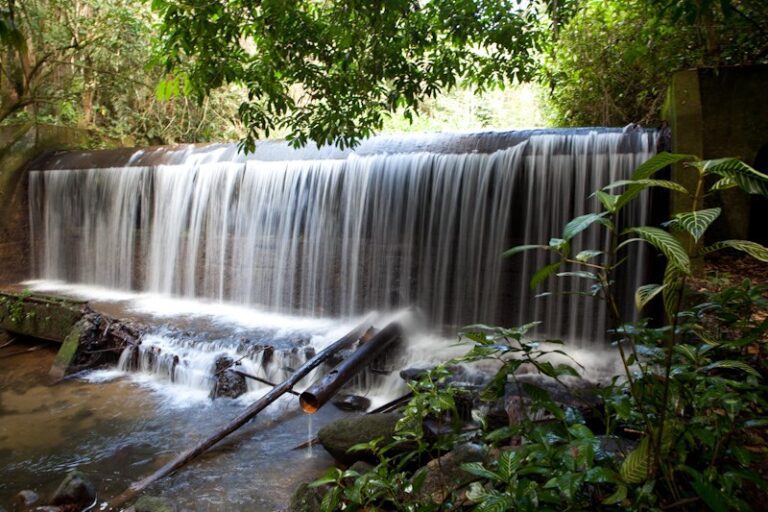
{"x":337,"y":71}
{"x":684,"y":427}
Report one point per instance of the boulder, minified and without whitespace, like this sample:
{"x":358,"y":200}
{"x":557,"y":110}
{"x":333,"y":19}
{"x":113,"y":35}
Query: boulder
{"x":339,"y":436}
{"x":74,"y":491}
{"x":351,"y":403}
{"x":444,"y":474}
{"x":578,"y":394}
{"x":24,"y":500}
{"x":153,"y":504}
{"x":228,"y":383}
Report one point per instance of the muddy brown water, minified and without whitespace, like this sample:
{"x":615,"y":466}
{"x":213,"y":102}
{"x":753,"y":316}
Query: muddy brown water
{"x":119,"y":431}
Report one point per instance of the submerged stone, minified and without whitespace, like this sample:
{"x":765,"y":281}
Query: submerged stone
{"x":347,"y":402}
{"x":75,"y":490}
{"x":153,"y":504}
{"x":24,"y":499}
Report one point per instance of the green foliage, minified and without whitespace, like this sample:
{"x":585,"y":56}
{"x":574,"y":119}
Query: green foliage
{"x":328,"y":72}
{"x":611,"y":63}
{"x":688,"y":418}
{"x":15,"y":307}
{"x":88,"y":64}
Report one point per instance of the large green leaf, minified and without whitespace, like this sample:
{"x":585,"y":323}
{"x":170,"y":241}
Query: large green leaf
{"x":543,"y":273}
{"x":754,"y":249}
{"x":522,"y":248}
{"x":493,"y":501}
{"x":634,"y":469}
{"x":617,"y":497}
{"x":696,"y":222}
{"x":723,"y":184}
{"x":478,"y":469}
{"x":508,"y":463}
{"x":710,"y":495}
{"x":644,"y":294}
{"x":667,"y":244}
{"x":608,"y":200}
{"x":657,"y":163}
{"x":582,"y":274}
{"x":746,"y":177}
{"x":671,"y":185}
{"x":733,"y":365}
{"x":670,"y":293}
{"x":579,"y":224}
{"x":640,"y":177}
{"x":587,"y":255}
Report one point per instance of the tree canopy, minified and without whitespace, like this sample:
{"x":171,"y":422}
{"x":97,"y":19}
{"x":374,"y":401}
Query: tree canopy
{"x":330,"y":71}
{"x":334,"y":72}
{"x":612,"y":60}
{"x":87,"y":63}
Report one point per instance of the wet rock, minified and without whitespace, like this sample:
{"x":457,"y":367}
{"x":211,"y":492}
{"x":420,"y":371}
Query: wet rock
{"x":341,"y":435}
{"x":577,"y":394}
{"x":48,"y":508}
{"x":153,"y":504}
{"x":267,"y":356}
{"x":413,"y":374}
{"x":24,"y":500}
{"x":458,"y":375}
{"x":306,"y":499}
{"x":228,"y":383}
{"x":347,"y":402}
{"x":614,"y":447}
{"x":74,"y":491}
{"x":444,"y":474}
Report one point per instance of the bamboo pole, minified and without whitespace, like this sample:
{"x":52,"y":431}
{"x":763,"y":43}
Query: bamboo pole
{"x":252,"y":410}
{"x":315,"y":396}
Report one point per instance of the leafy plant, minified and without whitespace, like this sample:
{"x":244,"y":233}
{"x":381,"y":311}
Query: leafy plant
{"x":683,"y":428}
{"x":662,"y":366}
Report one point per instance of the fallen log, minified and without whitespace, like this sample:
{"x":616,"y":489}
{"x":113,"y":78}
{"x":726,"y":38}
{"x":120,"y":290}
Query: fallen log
{"x":8,"y":342}
{"x":315,"y":396}
{"x":252,"y":410}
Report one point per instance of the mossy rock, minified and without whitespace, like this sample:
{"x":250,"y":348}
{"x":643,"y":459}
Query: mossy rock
{"x":341,"y":435}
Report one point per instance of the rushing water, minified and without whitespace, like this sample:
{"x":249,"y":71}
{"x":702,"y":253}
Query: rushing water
{"x":339,"y":236}
{"x":117,"y":433}
{"x":223,"y":254}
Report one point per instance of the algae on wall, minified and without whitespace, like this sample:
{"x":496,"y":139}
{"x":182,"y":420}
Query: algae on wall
{"x":19,"y":145}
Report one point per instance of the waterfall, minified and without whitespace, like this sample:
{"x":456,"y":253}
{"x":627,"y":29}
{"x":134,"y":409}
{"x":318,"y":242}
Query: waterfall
{"x":340,"y":234}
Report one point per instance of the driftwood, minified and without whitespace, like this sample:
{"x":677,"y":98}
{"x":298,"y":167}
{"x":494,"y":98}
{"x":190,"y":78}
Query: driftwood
{"x":252,"y":410}
{"x":19,"y":352}
{"x":315,"y":396}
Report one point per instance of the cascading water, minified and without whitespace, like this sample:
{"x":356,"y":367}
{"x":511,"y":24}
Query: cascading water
{"x":338,"y":236}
